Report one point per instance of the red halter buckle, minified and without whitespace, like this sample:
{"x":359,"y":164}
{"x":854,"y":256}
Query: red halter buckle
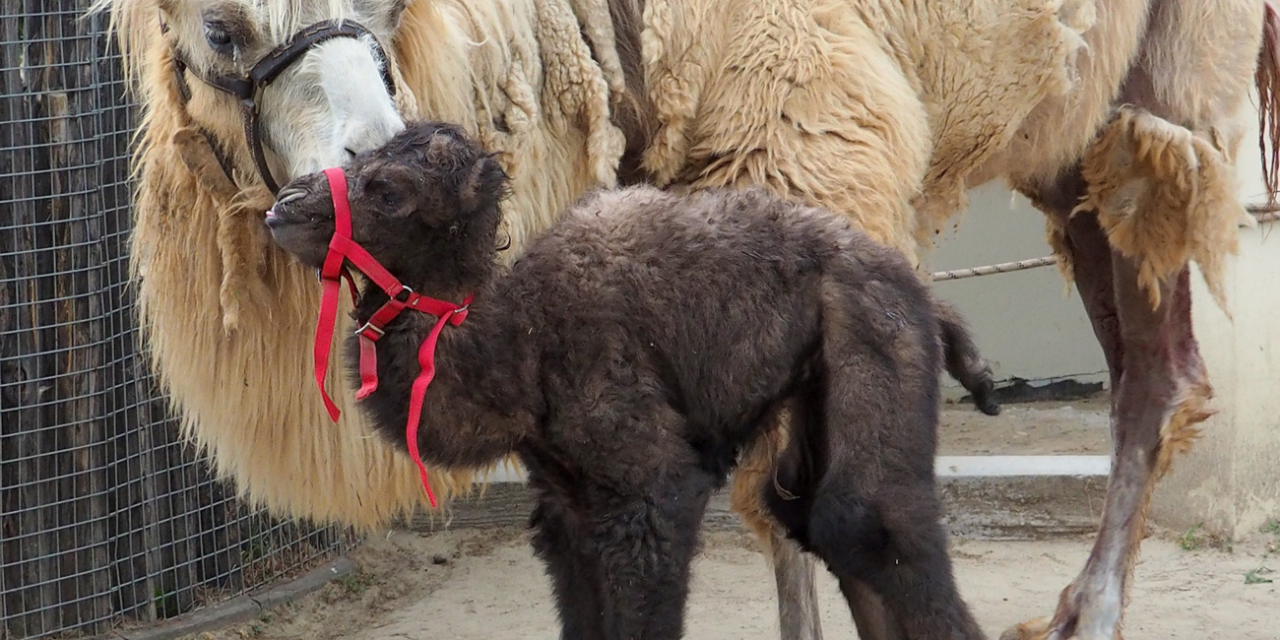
{"x":341,"y":249}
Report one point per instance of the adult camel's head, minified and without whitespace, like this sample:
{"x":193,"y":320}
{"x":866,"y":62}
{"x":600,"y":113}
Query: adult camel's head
{"x":283,"y":87}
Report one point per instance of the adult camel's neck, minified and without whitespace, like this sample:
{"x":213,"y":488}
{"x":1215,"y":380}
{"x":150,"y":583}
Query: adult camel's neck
{"x":480,"y":403}
{"x":520,"y":76}
{"x":435,"y":52}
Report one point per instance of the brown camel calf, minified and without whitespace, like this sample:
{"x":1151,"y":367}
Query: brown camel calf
{"x":631,"y":355}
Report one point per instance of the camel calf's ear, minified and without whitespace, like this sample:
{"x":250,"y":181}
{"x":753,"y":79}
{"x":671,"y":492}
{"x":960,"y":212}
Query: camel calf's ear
{"x":485,"y":185}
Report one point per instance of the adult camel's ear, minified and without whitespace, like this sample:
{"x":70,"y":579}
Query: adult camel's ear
{"x":384,"y":15}
{"x":197,"y":153}
{"x":396,"y":12}
{"x":485,"y":185}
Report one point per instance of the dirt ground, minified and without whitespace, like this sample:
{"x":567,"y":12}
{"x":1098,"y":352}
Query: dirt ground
{"x":1077,"y":427}
{"x":483,"y":585}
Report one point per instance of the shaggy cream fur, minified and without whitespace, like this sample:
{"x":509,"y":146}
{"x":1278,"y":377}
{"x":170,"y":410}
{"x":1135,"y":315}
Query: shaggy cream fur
{"x":1164,"y":196}
{"x":229,"y":318}
{"x":884,"y":108}
{"x":878,"y":110}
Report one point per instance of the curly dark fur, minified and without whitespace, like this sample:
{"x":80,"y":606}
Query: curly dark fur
{"x":633,"y":352}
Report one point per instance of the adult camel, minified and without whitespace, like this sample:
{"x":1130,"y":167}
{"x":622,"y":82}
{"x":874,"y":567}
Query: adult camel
{"x":1117,"y":118}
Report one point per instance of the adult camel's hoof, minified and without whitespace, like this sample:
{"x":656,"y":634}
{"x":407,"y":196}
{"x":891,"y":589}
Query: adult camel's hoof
{"x":1042,"y":629}
{"x":1037,"y":629}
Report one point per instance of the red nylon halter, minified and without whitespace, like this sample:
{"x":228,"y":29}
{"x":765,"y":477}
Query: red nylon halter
{"x":341,"y":248}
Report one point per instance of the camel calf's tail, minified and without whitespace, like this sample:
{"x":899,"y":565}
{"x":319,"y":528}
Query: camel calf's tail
{"x":1267,"y":79}
{"x":963,"y":361}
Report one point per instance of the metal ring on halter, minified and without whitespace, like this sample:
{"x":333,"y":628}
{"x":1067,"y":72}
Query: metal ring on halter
{"x":248,"y":88}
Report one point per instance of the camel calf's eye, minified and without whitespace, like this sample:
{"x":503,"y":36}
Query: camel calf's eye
{"x":390,"y":198}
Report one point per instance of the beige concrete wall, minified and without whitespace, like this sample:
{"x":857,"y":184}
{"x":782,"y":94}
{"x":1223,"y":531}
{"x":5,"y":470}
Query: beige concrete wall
{"x":1230,"y":481}
{"x":1030,"y":328}
{"x":1026,"y":322}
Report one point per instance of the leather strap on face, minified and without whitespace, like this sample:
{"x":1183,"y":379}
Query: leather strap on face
{"x":273,"y":64}
{"x":343,"y":248}
{"x":248,"y":88}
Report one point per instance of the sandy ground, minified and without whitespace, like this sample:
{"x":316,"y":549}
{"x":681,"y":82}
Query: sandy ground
{"x":478,"y":585}
{"x":482,"y":585}
{"x":1079,"y":427}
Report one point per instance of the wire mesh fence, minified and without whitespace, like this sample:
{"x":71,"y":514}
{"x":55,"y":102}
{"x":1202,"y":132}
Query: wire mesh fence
{"x":106,"y":518}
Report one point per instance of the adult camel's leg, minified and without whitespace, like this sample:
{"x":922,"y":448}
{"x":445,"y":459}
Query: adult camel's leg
{"x":1158,"y":179}
{"x":1087,"y":259}
{"x":793,"y":569}
{"x":1162,"y":392}
{"x":1080,"y":242}
{"x":1155,"y":197}
{"x":793,"y":573}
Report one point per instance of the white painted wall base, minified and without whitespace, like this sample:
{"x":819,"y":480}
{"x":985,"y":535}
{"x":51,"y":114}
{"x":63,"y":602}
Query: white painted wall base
{"x":954,"y":467}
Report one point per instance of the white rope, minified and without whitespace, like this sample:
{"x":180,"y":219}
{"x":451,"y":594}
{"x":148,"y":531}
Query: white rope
{"x":1003,"y":267}
{"x":1261,"y":213}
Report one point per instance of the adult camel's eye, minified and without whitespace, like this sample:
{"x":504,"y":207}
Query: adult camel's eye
{"x":219,"y":38}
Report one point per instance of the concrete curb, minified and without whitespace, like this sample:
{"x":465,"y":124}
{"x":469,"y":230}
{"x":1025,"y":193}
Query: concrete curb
{"x":988,"y":497}
{"x":238,"y":609}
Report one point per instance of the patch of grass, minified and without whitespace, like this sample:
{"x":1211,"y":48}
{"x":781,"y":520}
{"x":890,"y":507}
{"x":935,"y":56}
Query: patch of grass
{"x":1256,"y":575}
{"x":355,"y":582}
{"x":166,"y":604}
{"x":1273,"y":528}
{"x":1191,"y":539}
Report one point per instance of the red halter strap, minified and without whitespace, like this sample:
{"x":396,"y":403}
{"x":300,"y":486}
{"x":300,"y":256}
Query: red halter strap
{"x":342,"y":248}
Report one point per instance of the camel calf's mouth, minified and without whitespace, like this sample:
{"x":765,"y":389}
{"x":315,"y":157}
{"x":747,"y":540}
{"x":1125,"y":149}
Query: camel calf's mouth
{"x":300,"y":223}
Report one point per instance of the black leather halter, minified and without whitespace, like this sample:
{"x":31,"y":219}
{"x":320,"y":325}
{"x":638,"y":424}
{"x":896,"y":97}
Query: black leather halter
{"x":248,"y":88}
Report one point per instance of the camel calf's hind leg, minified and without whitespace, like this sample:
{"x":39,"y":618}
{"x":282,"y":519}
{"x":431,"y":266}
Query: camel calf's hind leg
{"x":873,"y":518}
{"x":831,"y":122}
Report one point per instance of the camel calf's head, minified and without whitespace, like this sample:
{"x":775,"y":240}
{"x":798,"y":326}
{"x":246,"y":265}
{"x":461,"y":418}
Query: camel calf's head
{"x":425,"y":205}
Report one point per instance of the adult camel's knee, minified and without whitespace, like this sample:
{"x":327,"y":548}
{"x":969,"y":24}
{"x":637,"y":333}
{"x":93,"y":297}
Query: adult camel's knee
{"x":1164,"y":195}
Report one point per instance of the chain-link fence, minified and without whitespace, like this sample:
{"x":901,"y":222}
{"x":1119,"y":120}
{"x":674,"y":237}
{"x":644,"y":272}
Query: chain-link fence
{"x":106,"y":518}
